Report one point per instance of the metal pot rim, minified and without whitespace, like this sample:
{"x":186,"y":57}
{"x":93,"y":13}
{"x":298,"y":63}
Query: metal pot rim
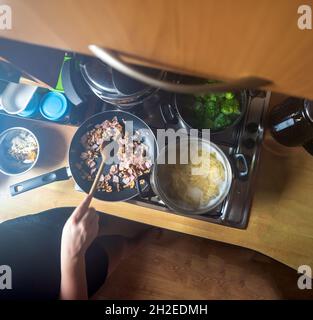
{"x":3,"y":133}
{"x":157,"y":188}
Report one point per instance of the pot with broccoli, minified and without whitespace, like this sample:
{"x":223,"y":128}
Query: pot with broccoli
{"x":214,"y":111}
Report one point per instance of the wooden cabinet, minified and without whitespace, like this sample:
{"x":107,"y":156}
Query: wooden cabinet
{"x":223,"y":39}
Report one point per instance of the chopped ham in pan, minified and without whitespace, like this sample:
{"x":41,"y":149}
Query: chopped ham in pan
{"x":133,"y":159}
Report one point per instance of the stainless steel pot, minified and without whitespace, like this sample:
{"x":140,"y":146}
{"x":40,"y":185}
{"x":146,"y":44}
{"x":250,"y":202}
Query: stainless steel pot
{"x":158,"y":179}
{"x":114,"y":87}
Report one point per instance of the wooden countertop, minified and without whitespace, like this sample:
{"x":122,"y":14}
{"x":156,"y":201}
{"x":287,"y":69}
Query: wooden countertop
{"x":281,"y":220}
{"x":218,"y":39}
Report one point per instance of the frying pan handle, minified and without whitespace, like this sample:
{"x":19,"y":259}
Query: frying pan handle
{"x":241,"y":165}
{"x":113,"y":60}
{"x":33,"y":183}
{"x":144,"y":193}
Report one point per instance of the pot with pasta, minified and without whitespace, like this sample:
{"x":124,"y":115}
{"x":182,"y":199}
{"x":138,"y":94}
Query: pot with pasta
{"x":191,"y":176}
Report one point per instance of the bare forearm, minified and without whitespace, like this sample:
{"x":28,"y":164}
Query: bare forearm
{"x":73,"y":280}
{"x":79,"y":231}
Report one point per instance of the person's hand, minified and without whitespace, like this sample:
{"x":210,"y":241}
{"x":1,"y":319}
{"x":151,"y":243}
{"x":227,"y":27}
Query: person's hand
{"x":79,"y":231}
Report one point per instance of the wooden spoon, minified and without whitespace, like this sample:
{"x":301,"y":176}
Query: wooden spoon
{"x":100,"y":170}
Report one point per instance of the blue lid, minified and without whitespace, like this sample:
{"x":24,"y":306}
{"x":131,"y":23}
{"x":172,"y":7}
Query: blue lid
{"x":32,"y":106}
{"x":53,"y":106}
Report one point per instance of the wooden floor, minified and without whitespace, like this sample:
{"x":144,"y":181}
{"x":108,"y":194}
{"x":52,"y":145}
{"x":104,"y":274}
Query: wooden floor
{"x":178,"y":266}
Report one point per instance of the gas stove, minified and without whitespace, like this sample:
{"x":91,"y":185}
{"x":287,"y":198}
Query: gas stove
{"x":242,"y":145}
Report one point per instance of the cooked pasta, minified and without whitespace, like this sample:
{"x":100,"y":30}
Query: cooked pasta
{"x":197,"y":182}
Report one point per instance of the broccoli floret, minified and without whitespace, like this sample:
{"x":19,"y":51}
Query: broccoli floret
{"x":213,"y":97}
{"x":198,"y":105}
{"x":229,"y":96}
{"x":216,"y":110}
{"x":211,"y":111}
{"x":230,"y":107}
{"x":222,"y":120}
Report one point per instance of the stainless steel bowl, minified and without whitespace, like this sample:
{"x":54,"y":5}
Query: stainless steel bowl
{"x":8,"y":165}
{"x":159,"y":179}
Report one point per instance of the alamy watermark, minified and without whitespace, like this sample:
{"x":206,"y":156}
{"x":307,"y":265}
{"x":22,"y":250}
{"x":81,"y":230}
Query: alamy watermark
{"x":183,"y":147}
{"x":305,"y":280}
{"x":304,"y":21}
{"x":305,"y":18}
{"x":5,"y":277}
{"x":5,"y":17}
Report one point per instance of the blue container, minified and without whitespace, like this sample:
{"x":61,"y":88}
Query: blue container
{"x":32,"y":107}
{"x":54,"y":106}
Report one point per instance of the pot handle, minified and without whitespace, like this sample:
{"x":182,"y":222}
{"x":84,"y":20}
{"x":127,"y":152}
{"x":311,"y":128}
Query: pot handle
{"x":142,"y":192}
{"x":111,"y":58}
{"x":33,"y":183}
{"x":241,"y":159}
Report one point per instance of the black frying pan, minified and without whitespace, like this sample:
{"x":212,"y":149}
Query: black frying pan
{"x":75,"y":151}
